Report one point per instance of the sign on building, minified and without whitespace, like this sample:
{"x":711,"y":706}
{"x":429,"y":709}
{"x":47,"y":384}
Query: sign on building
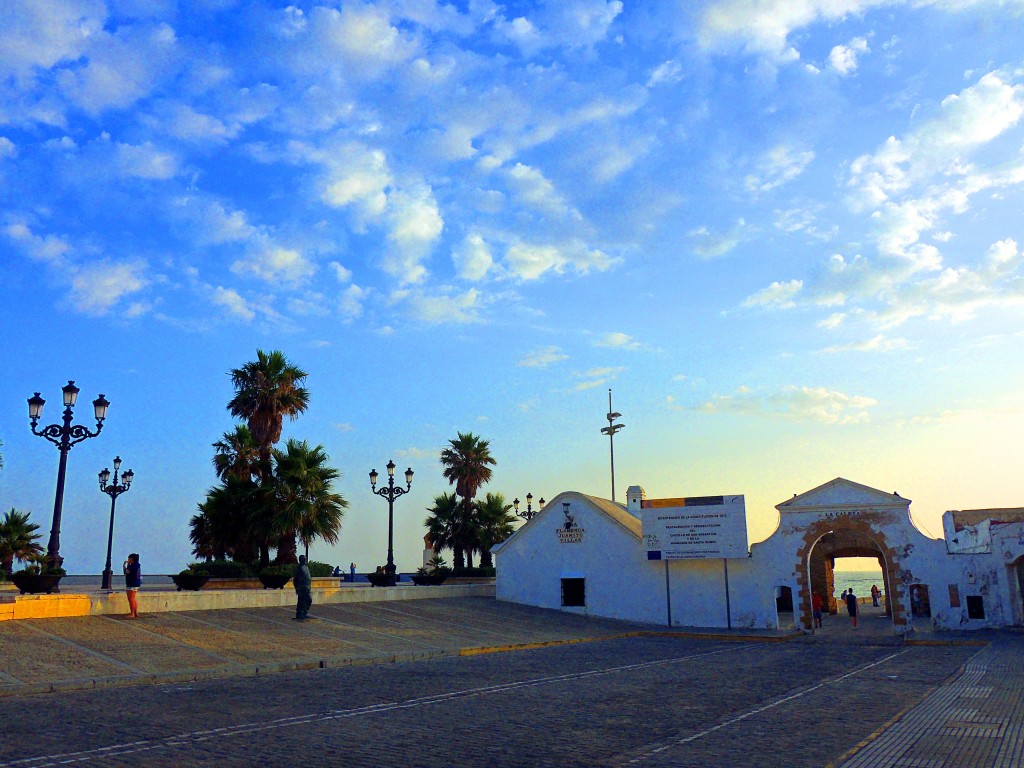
{"x":694,"y":528}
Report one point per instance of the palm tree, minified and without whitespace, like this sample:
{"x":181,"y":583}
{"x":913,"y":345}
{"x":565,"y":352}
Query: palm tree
{"x":266,"y":390}
{"x":236,"y":454}
{"x":233,"y":520}
{"x":443,"y":522}
{"x":494,"y":522}
{"x":467,"y":465}
{"x":17,"y":539}
{"x":305,"y":500}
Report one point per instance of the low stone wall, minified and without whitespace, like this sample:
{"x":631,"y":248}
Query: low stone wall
{"x":206,"y":599}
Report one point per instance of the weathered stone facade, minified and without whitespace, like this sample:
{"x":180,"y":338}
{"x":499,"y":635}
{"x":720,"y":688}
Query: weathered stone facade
{"x":973,"y":578}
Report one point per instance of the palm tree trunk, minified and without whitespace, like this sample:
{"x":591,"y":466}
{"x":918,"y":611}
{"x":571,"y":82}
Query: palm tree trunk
{"x":286,"y":550}
{"x":458,"y":558}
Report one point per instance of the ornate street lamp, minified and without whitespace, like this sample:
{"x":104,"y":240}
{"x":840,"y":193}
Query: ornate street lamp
{"x":391,"y":493}
{"x":64,"y":436}
{"x":529,"y":512}
{"x":610,"y":430}
{"x":113,"y":490}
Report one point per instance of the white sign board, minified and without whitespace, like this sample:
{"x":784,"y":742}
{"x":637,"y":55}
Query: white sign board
{"x":694,"y":528}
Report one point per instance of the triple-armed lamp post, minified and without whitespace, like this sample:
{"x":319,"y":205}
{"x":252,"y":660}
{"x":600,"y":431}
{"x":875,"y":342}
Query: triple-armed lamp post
{"x":64,"y":436}
{"x":113,"y":490}
{"x":528,"y":513}
{"x":391,"y":493}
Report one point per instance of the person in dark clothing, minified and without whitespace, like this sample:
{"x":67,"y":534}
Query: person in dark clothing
{"x":303,"y":583}
{"x":132,"y":582}
{"x":851,"y":607}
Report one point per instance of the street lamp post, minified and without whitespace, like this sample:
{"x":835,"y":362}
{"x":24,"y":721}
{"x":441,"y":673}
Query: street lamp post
{"x":610,"y":430}
{"x":64,"y":436}
{"x":391,"y":493}
{"x":528,"y":513}
{"x":113,"y":490}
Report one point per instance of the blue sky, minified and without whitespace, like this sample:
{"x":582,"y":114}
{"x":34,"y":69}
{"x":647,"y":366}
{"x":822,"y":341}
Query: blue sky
{"x":786,"y":233}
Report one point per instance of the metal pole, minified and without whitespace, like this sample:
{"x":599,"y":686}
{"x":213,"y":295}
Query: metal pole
{"x":108,"y":573}
{"x":668,"y":596}
{"x":728,"y":607}
{"x":390,"y":568}
{"x":53,"y":545}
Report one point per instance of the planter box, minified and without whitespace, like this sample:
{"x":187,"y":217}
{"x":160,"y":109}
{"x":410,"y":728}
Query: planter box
{"x":274,"y":581}
{"x":381,"y":579}
{"x":35,"y":584}
{"x":190,"y":581}
{"x":429,"y":579}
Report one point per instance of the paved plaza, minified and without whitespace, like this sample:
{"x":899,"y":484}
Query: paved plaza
{"x":474,"y":682}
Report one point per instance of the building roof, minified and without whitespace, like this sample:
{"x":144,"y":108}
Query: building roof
{"x":616,"y":512}
{"x":841,"y":492}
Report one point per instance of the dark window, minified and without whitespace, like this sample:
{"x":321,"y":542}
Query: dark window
{"x":920,"y":605}
{"x":573,"y":592}
{"x":954,"y":596}
{"x":975,"y":607}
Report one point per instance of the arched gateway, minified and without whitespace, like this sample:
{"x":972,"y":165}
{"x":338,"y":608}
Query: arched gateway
{"x":827,"y":540}
{"x":845,"y":519}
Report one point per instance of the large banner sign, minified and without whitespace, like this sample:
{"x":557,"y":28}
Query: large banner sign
{"x":694,"y":528}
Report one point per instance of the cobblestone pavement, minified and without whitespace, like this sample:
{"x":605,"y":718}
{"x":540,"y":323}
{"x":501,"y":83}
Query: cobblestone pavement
{"x":643,"y":700}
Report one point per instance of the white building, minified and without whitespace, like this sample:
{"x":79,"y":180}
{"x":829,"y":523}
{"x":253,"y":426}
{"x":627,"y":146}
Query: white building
{"x":584,"y":554}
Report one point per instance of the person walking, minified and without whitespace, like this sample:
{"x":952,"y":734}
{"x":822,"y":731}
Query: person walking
{"x":816,"y":603}
{"x":132,"y":581}
{"x":851,"y":607}
{"x":303,"y":583}
{"x":874,"y":595}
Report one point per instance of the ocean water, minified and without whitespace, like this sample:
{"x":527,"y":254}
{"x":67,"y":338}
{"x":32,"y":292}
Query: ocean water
{"x":861,"y":582}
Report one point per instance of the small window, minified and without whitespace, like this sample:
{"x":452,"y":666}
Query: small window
{"x":975,"y":607}
{"x":954,"y":596}
{"x":573,"y":592}
{"x":920,"y":605}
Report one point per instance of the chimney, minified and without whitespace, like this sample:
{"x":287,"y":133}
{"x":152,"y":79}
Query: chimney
{"x":634,"y":495}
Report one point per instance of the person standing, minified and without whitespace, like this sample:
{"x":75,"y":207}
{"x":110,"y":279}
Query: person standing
{"x":851,"y":607}
{"x":351,"y":572}
{"x":132,"y":581}
{"x":303,"y":583}
{"x":816,"y":603}
{"x":874,"y":595}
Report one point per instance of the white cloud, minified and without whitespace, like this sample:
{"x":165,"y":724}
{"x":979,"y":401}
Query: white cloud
{"x":794,"y":403}
{"x":359,"y":40}
{"x":530,"y":262}
{"x":778,"y":295}
{"x":341,"y":273}
{"x":232,"y":301}
{"x":359,"y":177}
{"x":441,"y":308}
{"x":667,"y":73}
{"x":48,"y":249}
{"x":7,"y":148}
{"x":351,"y":303}
{"x":595,"y":377}
{"x":144,"y":161}
{"x":877,"y":343}
{"x":779,"y":165}
{"x":43,"y":33}
{"x":534,"y":190}
{"x":275,"y":264}
{"x":542,"y":358}
{"x":472,"y":258}
{"x":617,"y":340}
{"x":98,"y":286}
{"x":121,"y":68}
{"x":843,"y":58}
{"x":711,"y":245}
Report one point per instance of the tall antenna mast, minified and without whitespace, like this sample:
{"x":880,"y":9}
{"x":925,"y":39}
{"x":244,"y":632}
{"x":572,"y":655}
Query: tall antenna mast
{"x":610,"y":430}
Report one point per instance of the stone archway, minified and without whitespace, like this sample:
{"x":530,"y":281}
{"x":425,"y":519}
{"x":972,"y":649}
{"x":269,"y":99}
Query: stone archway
{"x":846,"y":537}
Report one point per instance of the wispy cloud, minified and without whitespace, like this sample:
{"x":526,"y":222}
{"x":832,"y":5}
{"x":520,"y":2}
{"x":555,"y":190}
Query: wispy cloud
{"x":542,"y":358}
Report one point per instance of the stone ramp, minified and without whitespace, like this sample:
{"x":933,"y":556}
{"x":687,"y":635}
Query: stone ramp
{"x":84,"y":652}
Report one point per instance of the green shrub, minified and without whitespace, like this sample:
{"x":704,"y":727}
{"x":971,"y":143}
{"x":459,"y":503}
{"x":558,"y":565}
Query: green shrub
{"x":279,"y":570}
{"x":224,"y":569}
{"x":195,"y":569}
{"x":484,"y":572}
{"x":319,"y":570}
